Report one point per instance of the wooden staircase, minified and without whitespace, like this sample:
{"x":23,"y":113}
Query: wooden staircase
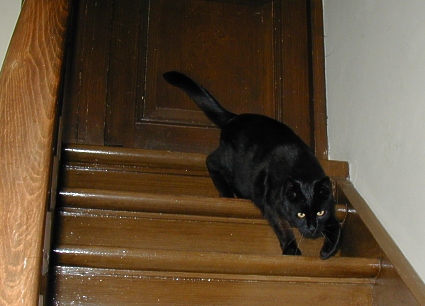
{"x":139,"y":227}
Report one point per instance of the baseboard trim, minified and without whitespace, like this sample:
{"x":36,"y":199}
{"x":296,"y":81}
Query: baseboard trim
{"x":402,"y":266}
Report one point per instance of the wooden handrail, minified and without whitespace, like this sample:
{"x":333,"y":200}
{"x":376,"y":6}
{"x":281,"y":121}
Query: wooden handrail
{"x":29,"y":83}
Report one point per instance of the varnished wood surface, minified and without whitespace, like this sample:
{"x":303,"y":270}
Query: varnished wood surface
{"x":76,"y":285}
{"x":138,"y":170}
{"x":159,"y":203}
{"x":212,"y":262}
{"x":137,"y":181}
{"x":293,"y":47}
{"x":253,"y":56}
{"x":168,"y":204}
{"x":101,"y":217}
{"x":168,"y":232}
{"x":147,"y":171}
{"x":318,"y":82}
{"x":173,"y":232}
{"x":135,"y":158}
{"x":29,"y":83}
{"x":189,"y":162}
{"x":115,"y":94}
{"x":183,"y":235}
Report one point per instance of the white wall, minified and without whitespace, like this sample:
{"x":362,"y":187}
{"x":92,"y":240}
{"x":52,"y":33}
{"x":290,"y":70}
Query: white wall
{"x":375,"y":73}
{"x":9,"y":12}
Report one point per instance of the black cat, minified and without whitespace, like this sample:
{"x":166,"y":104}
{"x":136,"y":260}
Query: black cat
{"x":263,"y":160}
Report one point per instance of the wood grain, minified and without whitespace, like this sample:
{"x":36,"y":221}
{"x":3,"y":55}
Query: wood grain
{"x":253,"y":56}
{"x":318,"y":83}
{"x":106,"y":286}
{"x":189,"y":163}
{"x":215,"y":262}
{"x":126,"y":69}
{"x":167,"y":204}
{"x":29,"y":83}
{"x":293,"y":66}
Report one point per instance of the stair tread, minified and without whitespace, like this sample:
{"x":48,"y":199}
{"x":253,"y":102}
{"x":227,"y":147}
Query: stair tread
{"x":162,"y":159}
{"x":99,"y":227}
{"x":138,"y":170}
{"x":136,"y":180}
{"x":163,"y":203}
{"x":101,"y":217}
{"x":214,"y":262}
{"x":128,"y":287}
{"x":153,"y":202}
{"x":75,"y":270}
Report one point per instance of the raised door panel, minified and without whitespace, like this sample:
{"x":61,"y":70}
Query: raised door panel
{"x":220,"y":45}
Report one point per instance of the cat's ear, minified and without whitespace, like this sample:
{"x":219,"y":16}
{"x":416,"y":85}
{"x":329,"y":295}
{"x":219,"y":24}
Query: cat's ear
{"x":291,"y":189}
{"x":323,"y":187}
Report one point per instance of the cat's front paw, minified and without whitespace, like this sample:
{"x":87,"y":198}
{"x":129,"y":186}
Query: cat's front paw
{"x":291,"y":251}
{"x":332,"y":239}
{"x":328,"y":251}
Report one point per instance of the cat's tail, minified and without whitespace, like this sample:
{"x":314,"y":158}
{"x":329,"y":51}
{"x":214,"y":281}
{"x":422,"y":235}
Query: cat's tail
{"x":206,"y":102}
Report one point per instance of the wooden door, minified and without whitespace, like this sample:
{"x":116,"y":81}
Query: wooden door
{"x":253,"y":56}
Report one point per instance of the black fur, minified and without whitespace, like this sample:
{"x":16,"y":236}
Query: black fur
{"x":263,"y":160}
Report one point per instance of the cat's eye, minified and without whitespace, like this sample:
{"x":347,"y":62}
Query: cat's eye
{"x":320,"y":213}
{"x":301,"y":215}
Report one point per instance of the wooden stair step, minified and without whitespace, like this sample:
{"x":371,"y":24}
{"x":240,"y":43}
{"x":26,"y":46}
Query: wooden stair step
{"x":92,"y":286}
{"x":152,"y":159}
{"x":158,"y":203}
{"x":168,"y":204}
{"x":99,"y":217}
{"x":167,"y":161}
{"x":142,"y":227}
{"x":215,"y":263}
{"x":135,"y":180}
{"x":146,"y":170}
{"x":129,"y":229}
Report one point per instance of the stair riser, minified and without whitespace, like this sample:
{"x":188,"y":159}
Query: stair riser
{"x":113,"y":287}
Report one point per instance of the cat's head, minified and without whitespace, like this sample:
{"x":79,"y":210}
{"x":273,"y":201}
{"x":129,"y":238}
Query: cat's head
{"x":307,"y":205}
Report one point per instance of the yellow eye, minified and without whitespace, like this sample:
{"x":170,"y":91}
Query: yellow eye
{"x":301,"y":215}
{"x":320,"y":213}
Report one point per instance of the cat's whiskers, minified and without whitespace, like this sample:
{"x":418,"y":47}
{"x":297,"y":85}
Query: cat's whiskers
{"x":323,"y":234}
{"x":293,"y":239}
{"x":299,"y":242}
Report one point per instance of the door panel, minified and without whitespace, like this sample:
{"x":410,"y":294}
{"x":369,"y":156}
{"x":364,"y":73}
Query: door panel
{"x":211,"y":42}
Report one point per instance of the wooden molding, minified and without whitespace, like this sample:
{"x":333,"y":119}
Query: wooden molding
{"x":29,"y":83}
{"x":318,"y":86}
{"x":396,"y":258}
